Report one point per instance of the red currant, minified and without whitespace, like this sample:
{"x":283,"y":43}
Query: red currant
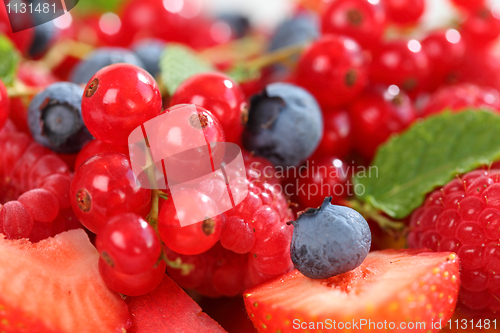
{"x":104,"y":186}
{"x":334,"y":70}
{"x":337,"y":134}
{"x":446,"y":50}
{"x":193,"y":238}
{"x":118,"y":99}
{"x":129,"y":244}
{"x":404,"y":12}
{"x":4,"y":105}
{"x":220,"y":95}
{"x":326,"y":177}
{"x":96,"y":147}
{"x":482,"y":27}
{"x":362,"y":20}
{"x":378,"y":114}
{"x":403,"y":63}
{"x":470,"y":5}
{"x":132,"y":284}
{"x":23,"y":38}
{"x":196,"y":127}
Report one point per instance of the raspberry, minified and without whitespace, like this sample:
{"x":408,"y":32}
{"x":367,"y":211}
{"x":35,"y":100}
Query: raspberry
{"x":464,"y":217}
{"x":254,"y":244}
{"x":461,"y":96}
{"x":39,"y":180}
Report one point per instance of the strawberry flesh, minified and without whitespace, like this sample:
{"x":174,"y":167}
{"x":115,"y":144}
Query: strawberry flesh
{"x":55,"y":286}
{"x":399,"y":286}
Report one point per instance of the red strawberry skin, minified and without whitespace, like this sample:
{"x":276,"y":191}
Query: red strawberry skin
{"x":54,"y":286}
{"x":399,"y":286}
{"x":169,"y":309}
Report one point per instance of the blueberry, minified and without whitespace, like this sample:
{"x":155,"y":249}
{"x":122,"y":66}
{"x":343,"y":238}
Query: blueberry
{"x":240,"y":25}
{"x":101,"y":58}
{"x":329,"y":241}
{"x":284,"y":125}
{"x":300,"y":29}
{"x":149,"y":51}
{"x":45,"y":32}
{"x":55,"y":118}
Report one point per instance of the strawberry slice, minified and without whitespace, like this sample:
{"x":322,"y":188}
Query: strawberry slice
{"x":403,"y":287}
{"x":55,"y":286}
{"x":169,"y":309}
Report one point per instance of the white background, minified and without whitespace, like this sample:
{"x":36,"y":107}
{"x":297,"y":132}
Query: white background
{"x":267,"y":13}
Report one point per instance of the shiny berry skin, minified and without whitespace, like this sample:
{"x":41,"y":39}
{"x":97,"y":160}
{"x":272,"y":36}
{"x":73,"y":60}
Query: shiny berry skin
{"x":378,"y":114}
{"x":129,"y":244}
{"x":327,"y":177}
{"x":361,"y":20}
{"x":4,"y":105}
{"x":404,"y":12}
{"x":253,"y":241}
{"x":194,"y":238}
{"x":403,"y":63}
{"x":24,"y":37}
{"x":482,"y":27}
{"x":445,"y":50}
{"x":337,"y":134}
{"x":96,"y":147}
{"x":334,"y":70}
{"x":469,"y":5}
{"x":461,"y":96}
{"x":118,"y":99}
{"x":463,"y":217}
{"x":220,"y":95}
{"x":132,"y":284}
{"x":41,"y":204}
{"x":194,"y":162}
{"x":15,"y":220}
{"x":104,"y":186}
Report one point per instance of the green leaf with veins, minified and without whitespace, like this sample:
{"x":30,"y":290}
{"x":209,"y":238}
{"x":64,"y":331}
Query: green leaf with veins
{"x":178,"y":63}
{"x":9,"y":59}
{"x":428,"y":155}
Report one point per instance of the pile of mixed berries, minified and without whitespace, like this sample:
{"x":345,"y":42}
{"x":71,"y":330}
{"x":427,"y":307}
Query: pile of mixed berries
{"x":86,"y":247}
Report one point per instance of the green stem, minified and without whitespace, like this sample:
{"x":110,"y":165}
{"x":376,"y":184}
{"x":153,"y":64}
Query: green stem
{"x":178,"y":264}
{"x":371,"y":213}
{"x":19,"y":89}
{"x":279,"y":56}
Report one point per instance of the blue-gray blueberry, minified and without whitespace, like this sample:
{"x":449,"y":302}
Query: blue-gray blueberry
{"x":285,"y":124}
{"x":329,"y":241}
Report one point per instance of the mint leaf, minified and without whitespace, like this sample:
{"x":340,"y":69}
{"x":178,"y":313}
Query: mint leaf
{"x":178,"y":63}
{"x":9,"y":59}
{"x":97,"y":6}
{"x":428,"y":155}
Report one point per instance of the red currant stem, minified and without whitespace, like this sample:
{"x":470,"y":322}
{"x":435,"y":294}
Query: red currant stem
{"x":162,"y":195}
{"x":371,"y":213}
{"x":152,"y":217}
{"x":237,"y":50}
{"x":280,"y":56}
{"x":177,"y":264}
{"x":63,"y":49}
{"x":19,"y":89}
